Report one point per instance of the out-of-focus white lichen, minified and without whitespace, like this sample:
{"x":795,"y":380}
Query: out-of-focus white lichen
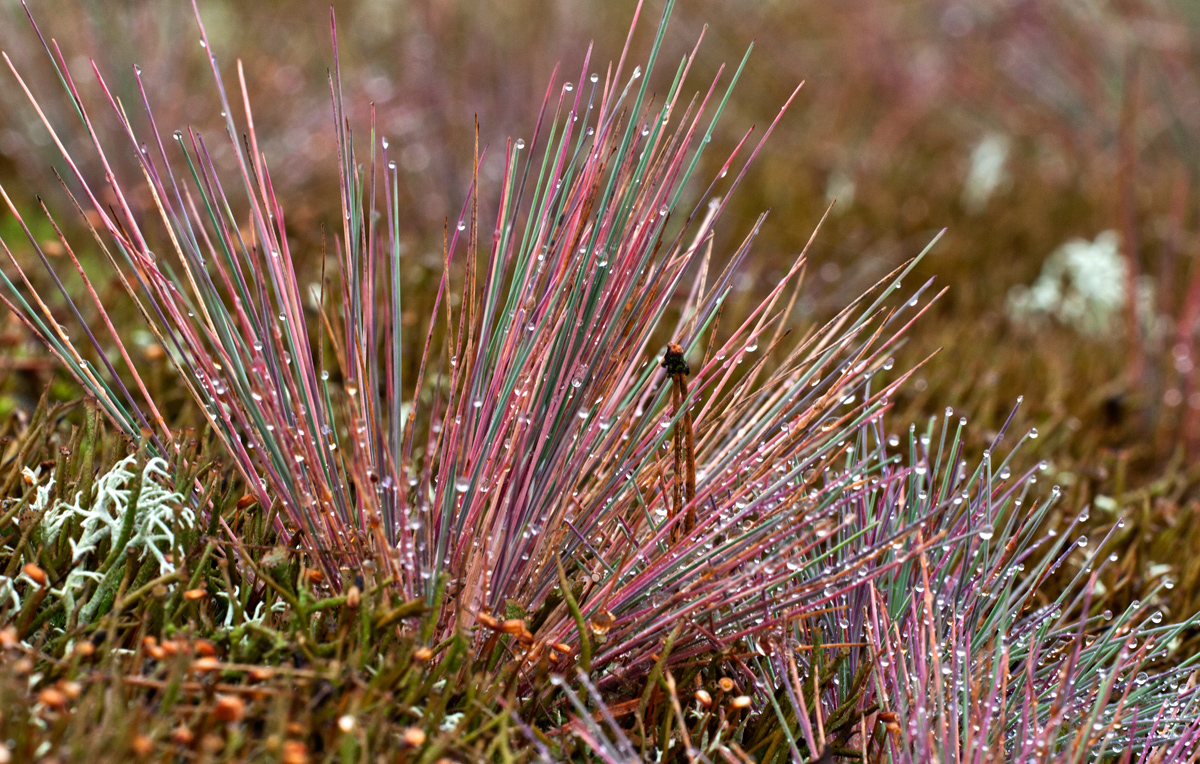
{"x":1082,"y":285}
{"x":988,"y":171}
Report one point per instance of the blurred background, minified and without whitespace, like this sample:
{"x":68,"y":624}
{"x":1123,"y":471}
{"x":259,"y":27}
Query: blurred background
{"x":1055,"y":140}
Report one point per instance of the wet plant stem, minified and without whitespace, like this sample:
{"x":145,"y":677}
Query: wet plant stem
{"x":684,"y":490}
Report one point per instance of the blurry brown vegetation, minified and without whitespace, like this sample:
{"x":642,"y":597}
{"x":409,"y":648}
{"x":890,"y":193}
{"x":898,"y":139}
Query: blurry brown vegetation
{"x":896,"y":97}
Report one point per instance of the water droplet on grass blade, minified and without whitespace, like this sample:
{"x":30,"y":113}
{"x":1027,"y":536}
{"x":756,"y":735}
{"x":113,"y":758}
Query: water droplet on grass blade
{"x":520,"y":143}
{"x":601,"y":622}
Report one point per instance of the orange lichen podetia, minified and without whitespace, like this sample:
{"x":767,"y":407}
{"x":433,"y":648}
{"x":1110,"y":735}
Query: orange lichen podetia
{"x":684,"y":489}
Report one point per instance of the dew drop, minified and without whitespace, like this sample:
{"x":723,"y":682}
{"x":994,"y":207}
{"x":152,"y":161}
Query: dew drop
{"x":601,"y":622}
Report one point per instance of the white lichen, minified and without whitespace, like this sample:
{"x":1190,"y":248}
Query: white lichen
{"x":988,"y":171}
{"x":255,"y":617}
{"x":8,"y":591}
{"x":41,"y":496}
{"x":157,"y":512}
{"x":1082,"y":285}
{"x":41,"y":493}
